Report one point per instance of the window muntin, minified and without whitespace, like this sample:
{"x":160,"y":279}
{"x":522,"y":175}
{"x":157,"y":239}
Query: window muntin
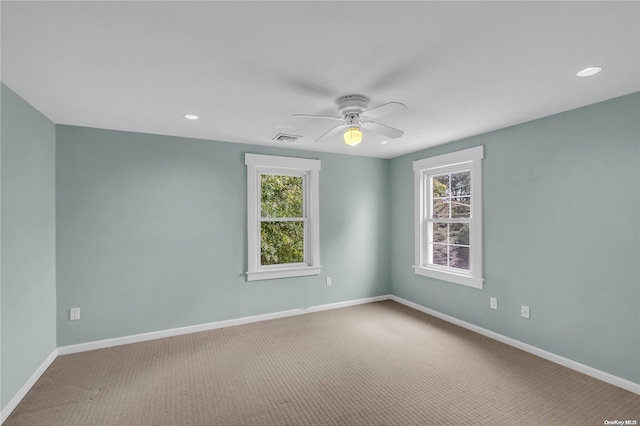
{"x":448,"y":197}
{"x":282,"y":217}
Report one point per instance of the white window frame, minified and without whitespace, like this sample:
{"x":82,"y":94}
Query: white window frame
{"x":309,"y":170}
{"x":465,"y":160}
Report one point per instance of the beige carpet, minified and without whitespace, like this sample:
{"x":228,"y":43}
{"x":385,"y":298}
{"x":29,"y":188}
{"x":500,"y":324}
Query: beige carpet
{"x":375,"y":364}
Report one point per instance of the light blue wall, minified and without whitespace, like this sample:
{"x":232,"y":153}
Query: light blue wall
{"x":561,"y":234}
{"x":28,"y":287}
{"x":152,"y":233}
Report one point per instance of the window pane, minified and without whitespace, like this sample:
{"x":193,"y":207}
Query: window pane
{"x":459,"y":233}
{"x":281,"y":242}
{"x":439,"y":254}
{"x":440,"y":186}
{"x":440,"y":208}
{"x":460,"y":183}
{"x":459,"y":257}
{"x":461,"y":207}
{"x":439,"y":232}
{"x":281,"y":196}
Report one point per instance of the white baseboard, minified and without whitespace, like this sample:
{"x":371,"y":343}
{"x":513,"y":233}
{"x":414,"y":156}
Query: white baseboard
{"x":107,"y":343}
{"x":585,"y":369}
{"x":13,"y":403}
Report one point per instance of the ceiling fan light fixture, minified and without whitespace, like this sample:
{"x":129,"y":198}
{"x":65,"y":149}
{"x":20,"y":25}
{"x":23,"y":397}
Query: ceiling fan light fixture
{"x":353,"y":136}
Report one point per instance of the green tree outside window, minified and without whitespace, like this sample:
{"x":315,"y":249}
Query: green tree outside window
{"x":282,"y":219}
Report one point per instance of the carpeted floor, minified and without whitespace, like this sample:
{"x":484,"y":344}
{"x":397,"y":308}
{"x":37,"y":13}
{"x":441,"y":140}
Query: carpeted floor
{"x":374,"y":364}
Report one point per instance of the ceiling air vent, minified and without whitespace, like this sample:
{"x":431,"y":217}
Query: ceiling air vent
{"x":283,"y":137}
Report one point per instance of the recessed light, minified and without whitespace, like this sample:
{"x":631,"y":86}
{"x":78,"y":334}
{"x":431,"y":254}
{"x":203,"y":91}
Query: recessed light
{"x":588,"y":72}
{"x":191,"y":117}
{"x":384,"y":142}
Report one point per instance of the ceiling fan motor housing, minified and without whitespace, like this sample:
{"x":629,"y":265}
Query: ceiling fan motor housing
{"x":351,"y":104}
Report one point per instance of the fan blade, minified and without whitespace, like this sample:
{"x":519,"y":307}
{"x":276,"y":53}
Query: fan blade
{"x":327,"y":117}
{"x":385,"y":109}
{"x":331,"y":132}
{"x":387,"y":131}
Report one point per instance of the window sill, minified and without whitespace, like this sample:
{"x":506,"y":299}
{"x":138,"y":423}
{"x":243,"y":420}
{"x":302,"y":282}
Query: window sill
{"x":462,"y":279}
{"x":270,"y":274}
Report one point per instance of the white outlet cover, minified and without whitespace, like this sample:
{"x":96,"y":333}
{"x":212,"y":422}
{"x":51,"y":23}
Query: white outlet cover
{"x":493,"y":303}
{"x":525,"y":311}
{"x":74,"y":314}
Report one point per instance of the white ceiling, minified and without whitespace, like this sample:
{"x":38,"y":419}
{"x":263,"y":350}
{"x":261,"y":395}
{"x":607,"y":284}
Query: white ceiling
{"x":462,"y":68}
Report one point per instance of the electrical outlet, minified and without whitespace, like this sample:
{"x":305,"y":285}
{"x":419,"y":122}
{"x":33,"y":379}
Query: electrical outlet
{"x":328,"y":281}
{"x":74,"y":314}
{"x":525,"y":312}
{"x":493,"y":303}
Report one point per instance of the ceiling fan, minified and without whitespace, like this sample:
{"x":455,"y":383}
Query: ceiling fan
{"x":354,"y":112}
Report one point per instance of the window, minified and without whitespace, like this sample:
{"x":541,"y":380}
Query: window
{"x":448,"y":217}
{"x":282,"y":217}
